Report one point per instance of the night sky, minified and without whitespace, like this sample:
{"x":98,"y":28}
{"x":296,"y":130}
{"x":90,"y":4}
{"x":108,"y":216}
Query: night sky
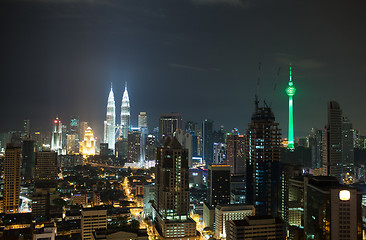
{"x":197,"y":57}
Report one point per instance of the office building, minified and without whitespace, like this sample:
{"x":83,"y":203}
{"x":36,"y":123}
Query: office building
{"x":46,"y":169}
{"x":28,"y":160}
{"x":168,"y":124}
{"x":171,"y":200}
{"x":224,"y":213}
{"x":87,"y":147}
{"x":331,"y":211}
{"x":92,"y":219}
{"x":263,"y":172}
{"x":235,"y":157}
{"x":332,"y":142}
{"x":348,"y":155}
{"x":125,"y":115}
{"x":110,"y":123}
{"x":12,"y":177}
{"x":56,"y":139}
{"x":207,"y":135}
{"x":218,"y":191}
{"x":150,"y":152}
{"x":41,"y":205}
{"x":316,"y":142}
{"x":256,"y":227}
{"x":134,"y":146}
{"x":219,"y":153}
{"x":218,"y":185}
{"x":142,"y":125}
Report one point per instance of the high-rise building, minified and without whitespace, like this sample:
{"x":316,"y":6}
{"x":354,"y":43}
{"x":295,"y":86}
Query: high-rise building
{"x":82,"y":129}
{"x":87,"y":147}
{"x":26,"y":129}
{"x":110,"y":123}
{"x":56,"y":140}
{"x":142,"y":125}
{"x":224,"y":213}
{"x":185,"y":139}
{"x":134,"y":146}
{"x":218,"y":191}
{"x":218,"y":185}
{"x":12,"y":178}
{"x":262,"y":154}
{"x":219,"y":156}
{"x":207,"y":135}
{"x":168,"y":124}
{"x":171,"y":200}
{"x":46,"y":170}
{"x":142,"y":120}
{"x":150,"y":153}
{"x":315,"y":142}
{"x":125,"y":114}
{"x":331,"y":211}
{"x":235,"y":157}
{"x":290,"y":90}
{"x":348,"y":156}
{"x":332,"y":142}
{"x":28,"y":160}
{"x":92,"y":219}
{"x":71,"y":144}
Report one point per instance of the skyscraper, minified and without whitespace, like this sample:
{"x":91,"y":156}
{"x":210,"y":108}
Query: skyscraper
{"x":125,"y":114}
{"x":347,"y":146}
{"x":290,"y":90}
{"x":134,"y":146}
{"x":12,"y":178}
{"x":28,"y":160}
{"x":87,"y":147}
{"x":46,"y":170}
{"x":142,"y":125}
{"x":332,"y":142}
{"x":263,"y":173}
{"x":218,"y":185}
{"x":171,"y":201}
{"x":235,"y":148}
{"x":56,"y":140}
{"x":110,"y":123}
{"x":168,"y":124}
{"x":207,"y":134}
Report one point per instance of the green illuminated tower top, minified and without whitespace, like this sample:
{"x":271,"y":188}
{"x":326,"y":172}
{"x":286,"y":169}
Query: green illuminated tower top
{"x":290,"y":90}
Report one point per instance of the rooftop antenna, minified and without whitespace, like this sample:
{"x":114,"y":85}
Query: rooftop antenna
{"x":257,"y":90}
{"x":275,"y":85}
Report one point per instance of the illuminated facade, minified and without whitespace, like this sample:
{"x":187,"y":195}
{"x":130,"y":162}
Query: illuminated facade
{"x":56,"y":141}
{"x":290,"y":90}
{"x":110,"y":123}
{"x":87,"y":147}
{"x":125,"y":115}
{"x":12,"y":178}
{"x":171,"y":200}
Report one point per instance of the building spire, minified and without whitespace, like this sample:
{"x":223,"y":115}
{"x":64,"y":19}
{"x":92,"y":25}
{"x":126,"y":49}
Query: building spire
{"x":126,"y":85}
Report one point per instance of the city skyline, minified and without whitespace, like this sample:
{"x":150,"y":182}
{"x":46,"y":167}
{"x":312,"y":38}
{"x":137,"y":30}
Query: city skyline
{"x":206,"y":71}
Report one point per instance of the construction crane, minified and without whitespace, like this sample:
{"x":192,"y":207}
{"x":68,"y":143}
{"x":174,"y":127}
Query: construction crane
{"x":275,"y":85}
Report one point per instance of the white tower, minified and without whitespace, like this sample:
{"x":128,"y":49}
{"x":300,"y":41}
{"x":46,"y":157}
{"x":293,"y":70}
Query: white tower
{"x":110,"y":123}
{"x":125,"y":115}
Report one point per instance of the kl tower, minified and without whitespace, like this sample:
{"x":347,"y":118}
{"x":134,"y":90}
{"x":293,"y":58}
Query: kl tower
{"x":290,"y":90}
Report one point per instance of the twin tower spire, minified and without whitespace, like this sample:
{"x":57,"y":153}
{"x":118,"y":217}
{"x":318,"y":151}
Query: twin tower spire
{"x":111,"y":129}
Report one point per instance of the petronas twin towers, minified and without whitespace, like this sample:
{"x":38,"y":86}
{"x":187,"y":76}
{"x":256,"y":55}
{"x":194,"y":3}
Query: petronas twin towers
{"x":111,"y":129}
